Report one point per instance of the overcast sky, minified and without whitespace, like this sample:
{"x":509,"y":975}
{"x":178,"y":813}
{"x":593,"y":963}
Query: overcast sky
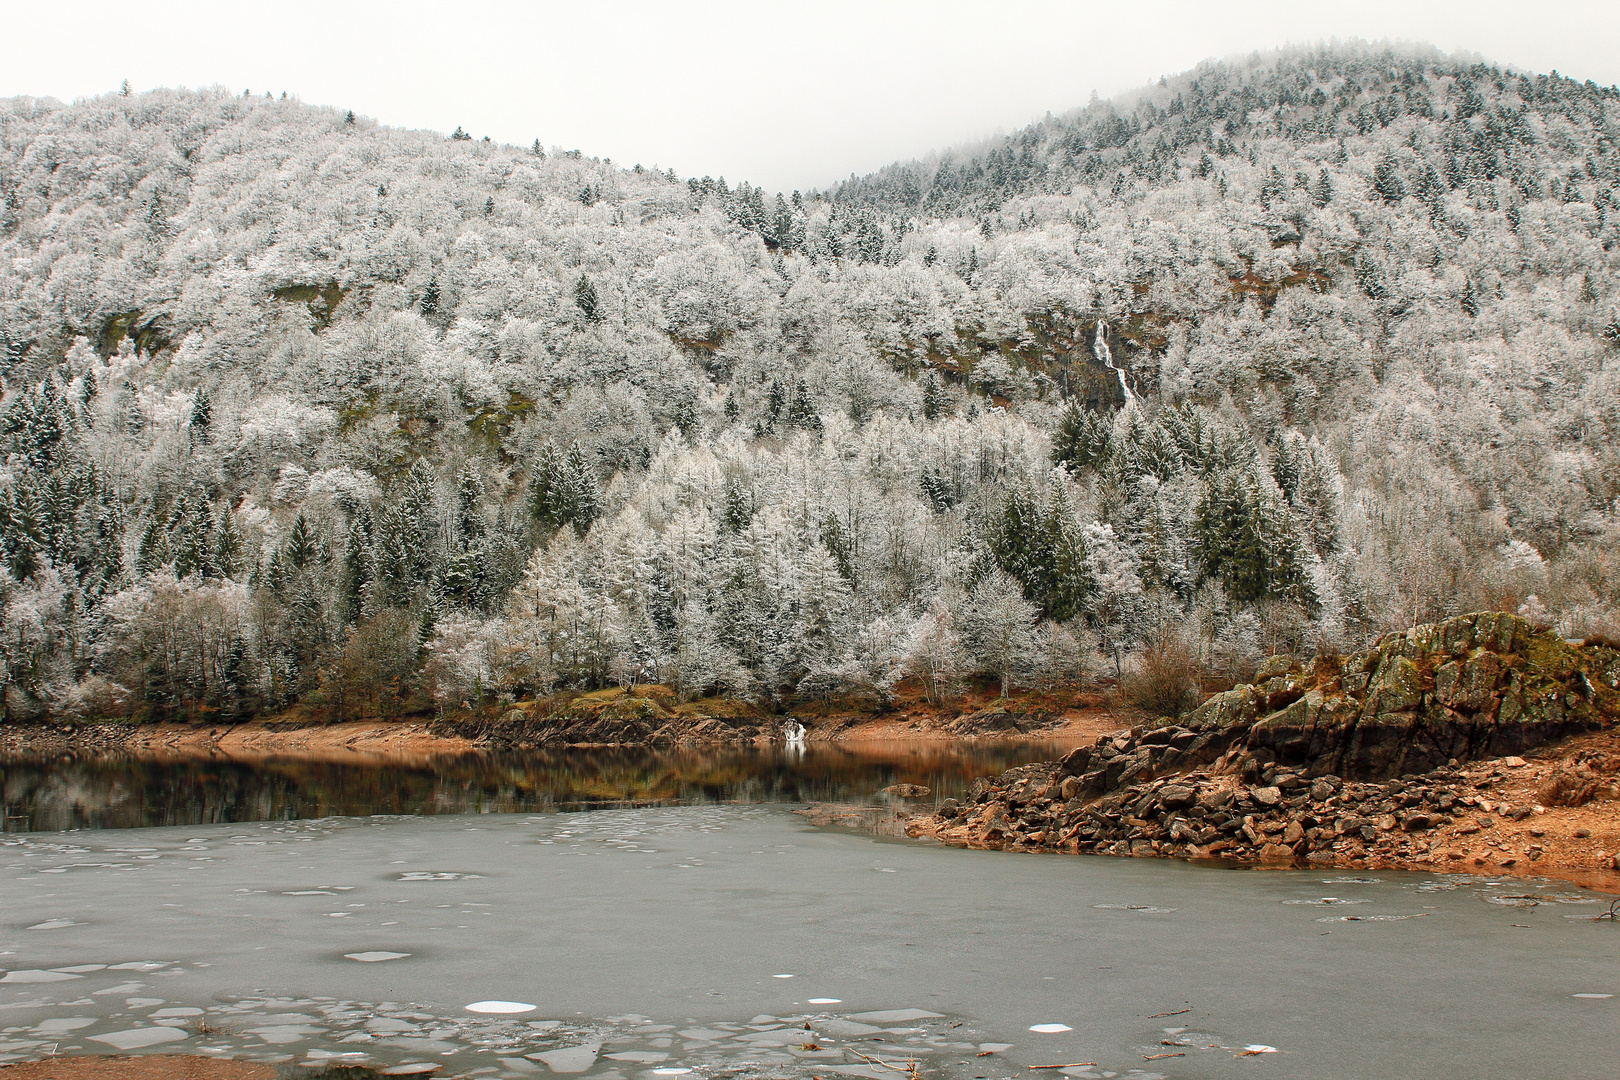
{"x":785,"y":95}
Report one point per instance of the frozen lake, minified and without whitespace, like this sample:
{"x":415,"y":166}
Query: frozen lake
{"x":701,"y":940}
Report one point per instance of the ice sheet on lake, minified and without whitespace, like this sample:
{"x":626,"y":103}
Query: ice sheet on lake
{"x":569,"y":1059}
{"x":140,"y":1038}
{"x":689,"y":913}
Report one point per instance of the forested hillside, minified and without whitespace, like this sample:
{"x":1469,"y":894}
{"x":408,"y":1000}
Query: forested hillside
{"x":1280,"y":353}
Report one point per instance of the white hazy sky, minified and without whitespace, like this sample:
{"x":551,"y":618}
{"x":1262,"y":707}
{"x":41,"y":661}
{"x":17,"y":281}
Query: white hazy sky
{"x":784,"y":95}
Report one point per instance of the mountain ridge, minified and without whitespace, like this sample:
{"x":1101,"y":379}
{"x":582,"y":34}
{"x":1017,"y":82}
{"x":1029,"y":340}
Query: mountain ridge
{"x":390,"y":416}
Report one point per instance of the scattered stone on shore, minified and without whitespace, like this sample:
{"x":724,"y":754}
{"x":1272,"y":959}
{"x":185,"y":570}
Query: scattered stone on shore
{"x":1207,"y":815}
{"x":1317,"y":766}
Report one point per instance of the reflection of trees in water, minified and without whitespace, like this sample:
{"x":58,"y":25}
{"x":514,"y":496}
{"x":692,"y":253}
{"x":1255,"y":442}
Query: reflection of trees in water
{"x":47,"y":795}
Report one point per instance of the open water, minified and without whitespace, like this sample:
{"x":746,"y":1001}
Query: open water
{"x":125,"y":791}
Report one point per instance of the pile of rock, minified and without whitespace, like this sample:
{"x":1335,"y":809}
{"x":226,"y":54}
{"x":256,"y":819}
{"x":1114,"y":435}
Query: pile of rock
{"x":1285,"y":817}
{"x":1346,"y":760}
{"x":46,"y":739}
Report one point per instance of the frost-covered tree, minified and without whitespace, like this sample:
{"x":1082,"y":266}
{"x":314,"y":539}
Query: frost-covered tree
{"x":1359,"y":307}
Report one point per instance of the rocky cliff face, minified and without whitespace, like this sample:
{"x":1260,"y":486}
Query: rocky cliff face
{"x":1269,"y":770}
{"x":1481,"y":685}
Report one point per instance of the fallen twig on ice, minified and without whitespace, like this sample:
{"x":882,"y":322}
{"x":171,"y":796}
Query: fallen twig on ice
{"x":909,"y":1068}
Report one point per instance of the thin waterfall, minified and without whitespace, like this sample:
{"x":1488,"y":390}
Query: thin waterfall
{"x":1106,"y":355}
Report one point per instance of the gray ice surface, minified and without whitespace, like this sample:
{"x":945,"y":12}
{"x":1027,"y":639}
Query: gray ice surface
{"x":652,"y":943}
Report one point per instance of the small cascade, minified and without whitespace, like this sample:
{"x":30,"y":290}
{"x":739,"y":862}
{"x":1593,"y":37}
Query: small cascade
{"x":793,"y":734}
{"x":1106,"y":356}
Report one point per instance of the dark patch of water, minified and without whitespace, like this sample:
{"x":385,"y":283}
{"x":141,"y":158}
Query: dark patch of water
{"x":42,"y":795}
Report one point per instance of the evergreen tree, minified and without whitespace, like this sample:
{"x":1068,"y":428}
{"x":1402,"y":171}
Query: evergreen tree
{"x":686,"y":417}
{"x":1317,"y":499}
{"x":1244,"y":538}
{"x":228,"y":545}
{"x":801,"y":411}
{"x":152,"y":554}
{"x":781,"y":234}
{"x":739,"y":504}
{"x":1388,"y":181}
{"x":933,"y":396}
{"x":87,"y":394}
{"x":301,"y":550}
{"x":938,"y":488}
{"x":202,"y":415}
{"x":1322,"y":192}
{"x":1286,"y":463}
{"x":1082,"y":438}
{"x":563,"y":489}
{"x":775,"y":402}
{"x":191,"y":527}
{"x":840,"y":545}
{"x":470,"y":523}
{"x":584,"y":495}
{"x":585,"y":297}
{"x":1370,"y":276}
{"x":356,"y":573}
{"x":548,"y":489}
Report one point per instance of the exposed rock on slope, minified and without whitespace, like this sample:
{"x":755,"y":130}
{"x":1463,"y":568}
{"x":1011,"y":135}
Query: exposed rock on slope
{"x":1258,"y":772}
{"x":642,"y":715}
{"x":1480,"y":685}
